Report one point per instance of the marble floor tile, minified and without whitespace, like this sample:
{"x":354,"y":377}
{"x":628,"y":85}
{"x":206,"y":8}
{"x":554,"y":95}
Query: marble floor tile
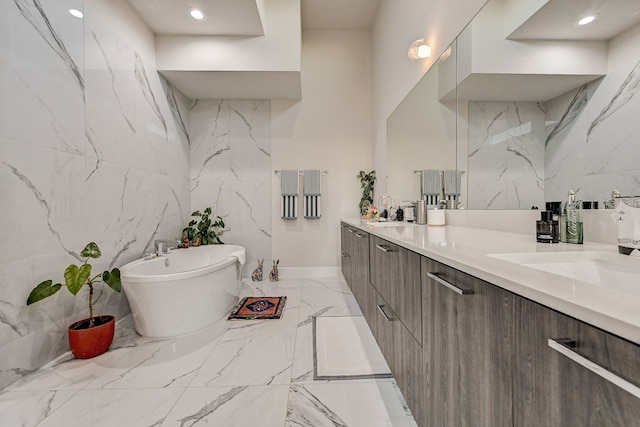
{"x":238,"y":406}
{"x":115,"y":408}
{"x":327,"y":292}
{"x":362,"y":403}
{"x":252,"y":352}
{"x":233,"y":373}
{"x":38,"y":405}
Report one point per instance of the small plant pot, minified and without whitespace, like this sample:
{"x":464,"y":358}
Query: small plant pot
{"x":86,"y":342}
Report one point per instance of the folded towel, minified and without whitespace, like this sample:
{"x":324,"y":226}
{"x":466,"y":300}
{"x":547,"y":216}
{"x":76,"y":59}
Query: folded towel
{"x":289,"y":182}
{"x":431,"y":182}
{"x":240,"y":255}
{"x":311,"y":183}
{"x":452,"y":182}
{"x":289,"y":186}
{"x":311,"y":190}
{"x":289,"y":207}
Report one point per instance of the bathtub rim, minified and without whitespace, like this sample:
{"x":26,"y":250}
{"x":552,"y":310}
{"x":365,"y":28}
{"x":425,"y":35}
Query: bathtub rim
{"x":150,"y":278}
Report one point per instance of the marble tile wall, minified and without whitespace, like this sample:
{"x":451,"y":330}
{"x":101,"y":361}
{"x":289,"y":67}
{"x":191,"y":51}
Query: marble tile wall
{"x":506,"y":155}
{"x":93,"y":146}
{"x":592,"y":141}
{"x":231,"y":171}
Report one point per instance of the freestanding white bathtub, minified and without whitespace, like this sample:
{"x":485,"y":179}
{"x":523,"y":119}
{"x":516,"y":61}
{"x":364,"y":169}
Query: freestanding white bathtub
{"x":184,"y":291}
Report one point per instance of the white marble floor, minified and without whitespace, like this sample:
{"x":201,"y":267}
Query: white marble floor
{"x":234,"y":373}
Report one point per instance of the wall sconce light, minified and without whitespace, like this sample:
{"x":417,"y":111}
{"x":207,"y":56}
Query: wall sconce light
{"x":419,"y":50}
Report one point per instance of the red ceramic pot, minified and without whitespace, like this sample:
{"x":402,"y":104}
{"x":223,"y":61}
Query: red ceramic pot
{"x":86,"y":342}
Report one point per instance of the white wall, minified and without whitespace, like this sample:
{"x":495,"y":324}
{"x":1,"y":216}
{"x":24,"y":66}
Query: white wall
{"x":329,"y":129}
{"x":398,"y":24}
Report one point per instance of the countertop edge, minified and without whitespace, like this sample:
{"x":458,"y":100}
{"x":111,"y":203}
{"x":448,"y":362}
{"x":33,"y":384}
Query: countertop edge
{"x":600,"y":311}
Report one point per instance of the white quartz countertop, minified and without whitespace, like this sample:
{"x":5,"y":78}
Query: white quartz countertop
{"x":470,"y":249}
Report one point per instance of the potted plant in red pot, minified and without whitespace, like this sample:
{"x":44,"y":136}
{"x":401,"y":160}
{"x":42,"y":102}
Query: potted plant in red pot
{"x":92,"y":336}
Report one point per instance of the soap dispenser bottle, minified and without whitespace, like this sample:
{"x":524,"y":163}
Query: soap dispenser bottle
{"x":574,"y":219}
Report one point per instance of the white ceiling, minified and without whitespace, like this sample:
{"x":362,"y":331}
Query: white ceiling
{"x":556,"y":20}
{"x":242,"y":18}
{"x":223,"y":17}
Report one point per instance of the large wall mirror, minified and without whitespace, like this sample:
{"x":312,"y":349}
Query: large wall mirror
{"x":538,"y":105}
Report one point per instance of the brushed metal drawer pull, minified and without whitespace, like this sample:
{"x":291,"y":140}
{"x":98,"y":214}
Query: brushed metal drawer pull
{"x":350,"y":230}
{"x":563,"y":346}
{"x":454,"y":288}
{"x":386,"y":316}
{"x":345,"y":255}
{"x":361,"y":236}
{"x":383,"y":248}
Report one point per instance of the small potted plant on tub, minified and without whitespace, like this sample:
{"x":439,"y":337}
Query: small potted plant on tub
{"x":92,"y":336}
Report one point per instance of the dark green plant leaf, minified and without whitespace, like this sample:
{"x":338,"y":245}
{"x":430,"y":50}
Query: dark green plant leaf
{"x":113,"y":279}
{"x":42,"y":291}
{"x":208,"y":210}
{"x":192,"y":222}
{"x":75,"y":277}
{"x":91,"y":251}
{"x":196,"y":213}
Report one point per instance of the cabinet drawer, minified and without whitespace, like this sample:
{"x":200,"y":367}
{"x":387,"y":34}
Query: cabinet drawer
{"x":553,"y":385}
{"x":402,"y":353}
{"x":395,"y":273}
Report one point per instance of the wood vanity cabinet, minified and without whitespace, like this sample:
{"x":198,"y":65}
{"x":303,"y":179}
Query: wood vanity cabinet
{"x":553,"y":390}
{"x":468,"y":353}
{"x":355,"y":265}
{"x":395,"y":273}
{"x":467,"y":349}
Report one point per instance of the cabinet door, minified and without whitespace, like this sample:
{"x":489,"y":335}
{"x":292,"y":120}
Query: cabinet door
{"x":467,"y":349}
{"x":360,"y":269}
{"x":395,"y":273}
{"x":440,"y":349}
{"x":553,"y":388}
{"x":345,"y":252}
{"x":486,"y":341}
{"x":403,"y":355}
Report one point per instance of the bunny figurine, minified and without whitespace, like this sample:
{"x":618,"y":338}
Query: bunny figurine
{"x":273,"y":276}
{"x":256,"y":276}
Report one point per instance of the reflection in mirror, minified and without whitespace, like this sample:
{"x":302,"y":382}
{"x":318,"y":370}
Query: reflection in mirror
{"x":544,"y":105}
{"x":421,"y":132}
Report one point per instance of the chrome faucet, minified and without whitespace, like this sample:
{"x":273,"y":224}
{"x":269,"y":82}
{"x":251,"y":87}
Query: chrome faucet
{"x":163,"y":246}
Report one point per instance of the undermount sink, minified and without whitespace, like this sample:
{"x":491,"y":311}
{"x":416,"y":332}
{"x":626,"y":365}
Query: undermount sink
{"x":605,"y":269}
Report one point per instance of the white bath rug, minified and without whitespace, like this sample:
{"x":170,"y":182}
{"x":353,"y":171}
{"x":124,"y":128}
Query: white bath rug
{"x":344,"y":348}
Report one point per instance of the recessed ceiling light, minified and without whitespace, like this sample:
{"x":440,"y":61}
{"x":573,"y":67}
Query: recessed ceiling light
{"x":587,"y":19}
{"x":76,"y":13}
{"x":197,"y":14}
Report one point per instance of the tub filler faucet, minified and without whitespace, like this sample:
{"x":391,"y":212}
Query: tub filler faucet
{"x":163,"y":246}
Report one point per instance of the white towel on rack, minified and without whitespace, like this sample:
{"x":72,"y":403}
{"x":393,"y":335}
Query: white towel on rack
{"x":311,"y":193}
{"x":289,"y":187}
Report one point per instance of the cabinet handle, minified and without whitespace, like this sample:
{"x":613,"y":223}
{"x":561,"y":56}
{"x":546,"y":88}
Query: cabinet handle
{"x":386,"y":316}
{"x":350,"y":230}
{"x":563,"y":346}
{"x":361,"y":236}
{"x":383,"y":248}
{"x":345,"y":255}
{"x":454,"y":288}
{"x":344,"y":225}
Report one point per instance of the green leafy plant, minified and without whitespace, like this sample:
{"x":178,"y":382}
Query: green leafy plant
{"x":205,"y":229}
{"x":76,"y":277}
{"x":367,"y":181}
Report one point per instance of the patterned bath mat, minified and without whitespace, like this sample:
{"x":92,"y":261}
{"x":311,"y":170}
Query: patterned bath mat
{"x":250,"y":308}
